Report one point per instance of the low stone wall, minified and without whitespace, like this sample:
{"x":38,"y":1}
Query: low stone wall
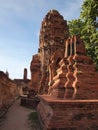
{"x":8,"y":90}
{"x":68,"y":114}
{"x":24,"y":101}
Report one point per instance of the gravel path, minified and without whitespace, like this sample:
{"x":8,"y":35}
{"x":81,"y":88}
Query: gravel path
{"x":16,"y":118}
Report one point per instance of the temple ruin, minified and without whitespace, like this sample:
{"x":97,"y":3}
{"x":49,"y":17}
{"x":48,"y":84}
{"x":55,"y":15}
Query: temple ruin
{"x":64,"y":78}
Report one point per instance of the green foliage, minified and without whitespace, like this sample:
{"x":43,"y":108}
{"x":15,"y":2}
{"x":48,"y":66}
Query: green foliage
{"x":89,"y":12}
{"x":34,"y":121}
{"x":75,"y":27}
{"x":33,"y":116}
{"x":87,"y":27}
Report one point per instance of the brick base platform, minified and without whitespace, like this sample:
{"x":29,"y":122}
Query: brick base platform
{"x":29,"y":102}
{"x":68,"y":114}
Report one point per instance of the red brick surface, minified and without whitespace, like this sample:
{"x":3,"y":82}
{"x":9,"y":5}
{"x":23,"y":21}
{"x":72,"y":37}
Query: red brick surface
{"x":68,"y":114}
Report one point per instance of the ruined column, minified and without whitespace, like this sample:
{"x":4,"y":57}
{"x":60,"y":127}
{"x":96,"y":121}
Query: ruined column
{"x":35,"y":72}
{"x":25,"y":74}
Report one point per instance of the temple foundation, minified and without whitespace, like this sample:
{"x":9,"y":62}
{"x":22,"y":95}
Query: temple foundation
{"x":68,"y":114}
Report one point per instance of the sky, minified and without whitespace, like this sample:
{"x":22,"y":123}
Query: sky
{"x":20,"y":22}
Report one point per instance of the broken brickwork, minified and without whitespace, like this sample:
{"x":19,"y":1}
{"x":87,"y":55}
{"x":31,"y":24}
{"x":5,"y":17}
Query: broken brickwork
{"x":35,"y":75}
{"x":76,"y":76}
{"x":53,"y":33}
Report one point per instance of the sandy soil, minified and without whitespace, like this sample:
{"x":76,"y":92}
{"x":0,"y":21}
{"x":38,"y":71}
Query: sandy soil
{"x":16,"y":118}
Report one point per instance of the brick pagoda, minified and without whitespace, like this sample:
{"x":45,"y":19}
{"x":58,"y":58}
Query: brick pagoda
{"x":53,"y":33}
{"x":35,"y":76}
{"x":72,"y":99}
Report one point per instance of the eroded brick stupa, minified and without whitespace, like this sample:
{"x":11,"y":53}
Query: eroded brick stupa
{"x":68,"y":77}
{"x":53,"y":33}
{"x":35,"y":76}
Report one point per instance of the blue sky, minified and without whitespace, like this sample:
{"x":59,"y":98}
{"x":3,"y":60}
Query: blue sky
{"x":20,"y":22}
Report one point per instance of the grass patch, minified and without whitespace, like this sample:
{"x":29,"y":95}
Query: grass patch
{"x":33,"y":116}
{"x":34,"y":121}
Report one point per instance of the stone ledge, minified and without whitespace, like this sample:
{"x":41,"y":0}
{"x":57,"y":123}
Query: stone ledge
{"x":68,"y":114}
{"x":50,"y":100}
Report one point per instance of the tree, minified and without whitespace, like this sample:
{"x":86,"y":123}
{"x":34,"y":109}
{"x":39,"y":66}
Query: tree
{"x":75,"y":27}
{"x":89,"y":12}
{"x":87,"y":27}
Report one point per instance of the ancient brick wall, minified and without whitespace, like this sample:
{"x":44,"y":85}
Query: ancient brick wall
{"x":8,"y":89}
{"x":68,"y":114}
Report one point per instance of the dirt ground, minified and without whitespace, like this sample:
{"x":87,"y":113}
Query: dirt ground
{"x":16,"y":118}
